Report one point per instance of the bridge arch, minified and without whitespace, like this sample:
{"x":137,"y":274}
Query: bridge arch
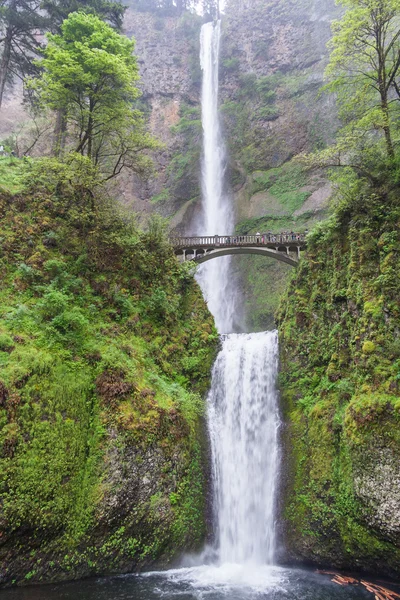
{"x":203,"y":257}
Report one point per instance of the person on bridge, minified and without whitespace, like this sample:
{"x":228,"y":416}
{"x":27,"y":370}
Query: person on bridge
{"x":258,"y":237}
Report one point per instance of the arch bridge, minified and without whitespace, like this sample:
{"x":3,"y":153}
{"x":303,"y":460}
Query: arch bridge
{"x":285,"y":247}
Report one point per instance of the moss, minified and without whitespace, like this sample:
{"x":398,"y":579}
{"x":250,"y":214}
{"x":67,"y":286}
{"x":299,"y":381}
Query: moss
{"x":11,"y":174}
{"x":106,"y":346}
{"x":339,"y":390}
{"x":368,"y":347}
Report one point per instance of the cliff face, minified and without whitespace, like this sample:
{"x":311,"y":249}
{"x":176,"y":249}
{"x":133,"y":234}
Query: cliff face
{"x":273,"y":55}
{"x":340,"y":361}
{"x":273,"y":58}
{"x":168,"y":51}
{"x":106,"y":348}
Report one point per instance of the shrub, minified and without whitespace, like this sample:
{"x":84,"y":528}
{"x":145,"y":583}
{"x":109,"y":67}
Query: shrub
{"x":368,"y":347}
{"x":6,"y":342}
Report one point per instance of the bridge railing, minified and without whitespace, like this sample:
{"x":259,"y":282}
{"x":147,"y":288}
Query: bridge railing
{"x":238,"y":240}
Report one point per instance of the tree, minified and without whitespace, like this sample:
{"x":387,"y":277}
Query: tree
{"x":210,"y":8}
{"x":90,"y":74}
{"x":20,"y":25}
{"x":364,"y":65}
{"x":165,"y":7}
{"x":112,"y":11}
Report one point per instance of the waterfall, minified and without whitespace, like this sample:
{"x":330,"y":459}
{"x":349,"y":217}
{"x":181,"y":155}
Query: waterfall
{"x":243,"y":422}
{"x":217,"y":215}
{"x":242,"y":404}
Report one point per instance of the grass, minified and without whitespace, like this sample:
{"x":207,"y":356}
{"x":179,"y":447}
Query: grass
{"x":11,"y":174}
{"x":285,"y":184}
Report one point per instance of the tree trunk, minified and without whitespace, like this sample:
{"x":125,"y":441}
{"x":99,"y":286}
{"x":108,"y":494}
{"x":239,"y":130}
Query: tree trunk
{"x":383,"y":91}
{"x":5,"y":62}
{"x":89,"y":130}
{"x":60,"y":131}
{"x":386,"y":128}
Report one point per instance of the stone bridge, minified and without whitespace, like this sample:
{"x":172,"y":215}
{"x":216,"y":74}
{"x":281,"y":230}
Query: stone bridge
{"x":285,"y":247}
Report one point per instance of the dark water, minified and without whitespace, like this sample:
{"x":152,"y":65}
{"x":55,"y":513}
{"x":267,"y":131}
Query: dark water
{"x":229,"y":582}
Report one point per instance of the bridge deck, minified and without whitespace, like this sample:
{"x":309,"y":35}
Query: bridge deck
{"x":295,"y":240}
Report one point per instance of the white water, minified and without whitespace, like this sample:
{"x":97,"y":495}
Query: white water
{"x":242,"y":405}
{"x":243,"y":421}
{"x":217,"y":215}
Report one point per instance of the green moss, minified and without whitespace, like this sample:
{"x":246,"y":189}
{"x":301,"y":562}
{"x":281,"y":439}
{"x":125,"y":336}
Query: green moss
{"x":368,"y":347}
{"x":340,"y":391}
{"x":106,"y":347}
{"x":11,"y":174}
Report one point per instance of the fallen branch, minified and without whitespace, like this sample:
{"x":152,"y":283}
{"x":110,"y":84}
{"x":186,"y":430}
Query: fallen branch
{"x":380,"y":592}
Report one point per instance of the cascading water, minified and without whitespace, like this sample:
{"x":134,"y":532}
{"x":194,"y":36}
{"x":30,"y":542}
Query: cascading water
{"x":243,"y":421}
{"x":242,"y":415}
{"x":217,"y":215}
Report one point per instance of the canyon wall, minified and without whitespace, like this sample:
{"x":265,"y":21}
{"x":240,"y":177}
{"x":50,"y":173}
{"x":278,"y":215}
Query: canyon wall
{"x":272,"y":63}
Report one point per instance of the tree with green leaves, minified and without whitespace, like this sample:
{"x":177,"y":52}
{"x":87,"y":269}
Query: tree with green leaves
{"x":20,"y":24}
{"x":89,"y":72}
{"x":112,"y":11}
{"x":363,"y":71}
{"x":364,"y":65}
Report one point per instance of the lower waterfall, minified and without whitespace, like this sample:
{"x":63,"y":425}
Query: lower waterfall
{"x":243,"y":421}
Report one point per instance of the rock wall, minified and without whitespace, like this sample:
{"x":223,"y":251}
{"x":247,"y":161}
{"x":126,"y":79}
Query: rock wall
{"x":106,"y":349}
{"x":340,"y":364}
{"x":168,"y":50}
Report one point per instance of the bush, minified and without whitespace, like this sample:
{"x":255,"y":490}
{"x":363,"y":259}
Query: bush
{"x":6,"y":342}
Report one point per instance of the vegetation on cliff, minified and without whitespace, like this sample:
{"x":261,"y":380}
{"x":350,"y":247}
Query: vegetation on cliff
{"x":340,"y":386}
{"x":339,"y":326}
{"x":106,"y":347}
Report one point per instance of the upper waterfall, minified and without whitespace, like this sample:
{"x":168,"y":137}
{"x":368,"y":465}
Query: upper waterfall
{"x":217,"y":214}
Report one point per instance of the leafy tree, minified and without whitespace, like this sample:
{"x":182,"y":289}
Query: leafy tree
{"x":90,"y":73}
{"x":22,"y":21}
{"x":363,"y":71}
{"x":166,"y":7}
{"x":111,"y":11}
{"x":20,"y":24}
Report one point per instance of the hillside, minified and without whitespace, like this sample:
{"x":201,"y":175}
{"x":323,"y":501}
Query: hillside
{"x":106,"y":346}
{"x":340,"y":361}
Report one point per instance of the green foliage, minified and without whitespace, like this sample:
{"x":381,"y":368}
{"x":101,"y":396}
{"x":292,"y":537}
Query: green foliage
{"x":230,"y":65}
{"x":19,"y":22}
{"x":183,"y":167}
{"x":89,"y":73}
{"x":284,"y":183}
{"x":101,"y":330}
{"x":108,"y":10}
{"x":363,"y":72}
{"x":11,"y":170}
{"x":340,"y":376}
